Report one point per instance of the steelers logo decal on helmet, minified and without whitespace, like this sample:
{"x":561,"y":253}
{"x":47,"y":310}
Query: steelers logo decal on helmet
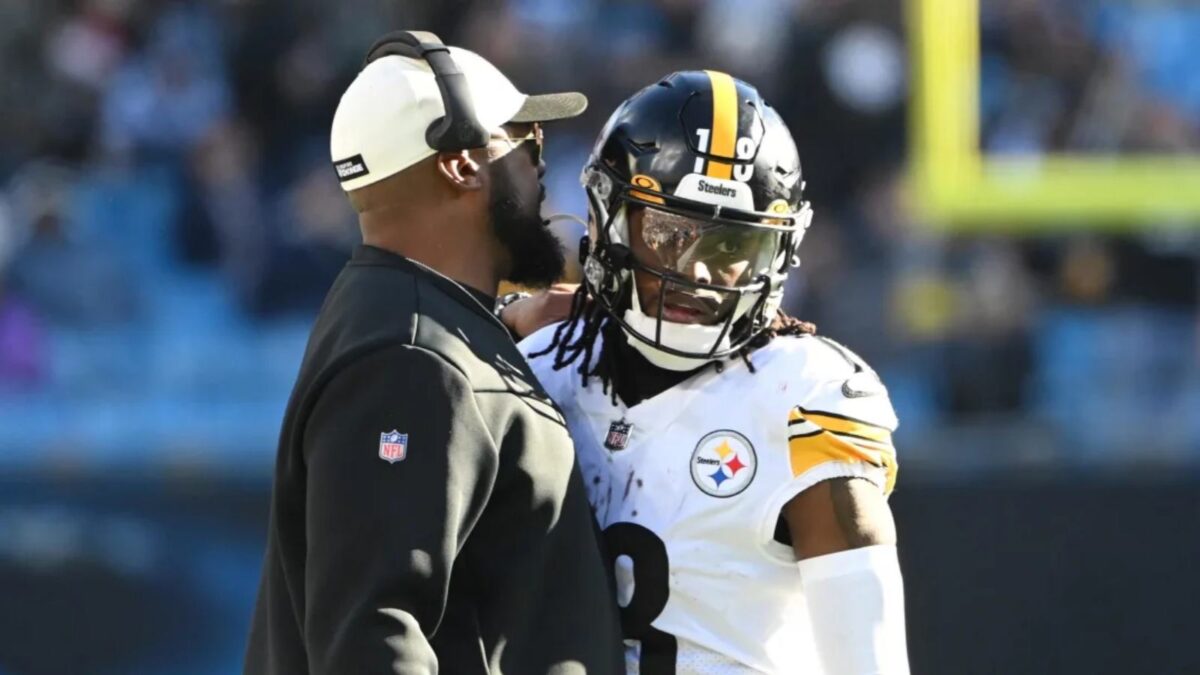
{"x":723,"y":463}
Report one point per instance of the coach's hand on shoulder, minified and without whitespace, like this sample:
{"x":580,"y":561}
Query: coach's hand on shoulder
{"x":526,"y":316}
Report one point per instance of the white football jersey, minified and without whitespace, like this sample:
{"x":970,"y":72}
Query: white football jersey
{"x":688,"y":487}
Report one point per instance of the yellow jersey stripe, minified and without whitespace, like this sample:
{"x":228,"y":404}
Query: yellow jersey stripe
{"x":724,"y":124}
{"x":890,"y":466}
{"x":801,"y":412}
{"x":807,"y":452}
{"x":843,"y":424}
{"x":863,"y":440}
{"x":818,"y":432}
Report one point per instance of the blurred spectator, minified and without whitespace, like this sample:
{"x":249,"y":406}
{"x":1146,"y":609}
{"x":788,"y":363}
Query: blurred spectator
{"x":22,"y":342}
{"x":88,"y":46}
{"x":70,"y":279}
{"x":314,"y":235}
{"x":168,"y":96}
{"x":226,"y":221}
{"x":841,"y":88}
{"x":725,"y":25}
{"x":1086,"y":274}
{"x":989,"y":361}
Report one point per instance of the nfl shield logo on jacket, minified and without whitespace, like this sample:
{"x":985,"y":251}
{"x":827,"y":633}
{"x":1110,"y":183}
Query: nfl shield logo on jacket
{"x":393,"y":446}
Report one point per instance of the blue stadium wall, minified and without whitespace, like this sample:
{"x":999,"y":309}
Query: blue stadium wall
{"x":1053,"y":575}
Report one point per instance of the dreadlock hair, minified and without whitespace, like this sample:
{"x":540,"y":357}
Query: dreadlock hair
{"x":781,"y":326}
{"x":589,"y":319}
{"x":567,"y":347}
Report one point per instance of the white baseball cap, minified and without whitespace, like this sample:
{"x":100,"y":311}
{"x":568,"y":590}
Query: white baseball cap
{"x":379,"y":126}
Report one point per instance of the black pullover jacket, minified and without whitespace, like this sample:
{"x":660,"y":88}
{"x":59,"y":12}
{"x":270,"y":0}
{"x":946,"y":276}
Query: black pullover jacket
{"x":427,"y":514}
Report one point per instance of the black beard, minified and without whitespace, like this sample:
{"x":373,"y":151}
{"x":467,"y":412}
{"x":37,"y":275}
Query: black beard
{"x":537,"y":255}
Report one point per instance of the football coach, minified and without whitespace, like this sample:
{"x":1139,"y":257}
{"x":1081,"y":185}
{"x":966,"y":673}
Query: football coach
{"x":427,"y":515}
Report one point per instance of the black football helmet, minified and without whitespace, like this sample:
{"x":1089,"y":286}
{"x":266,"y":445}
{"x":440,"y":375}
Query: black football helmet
{"x":711,"y":176}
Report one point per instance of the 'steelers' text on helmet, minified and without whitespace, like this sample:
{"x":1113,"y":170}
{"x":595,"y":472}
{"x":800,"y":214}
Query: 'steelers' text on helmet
{"x":714,"y":168}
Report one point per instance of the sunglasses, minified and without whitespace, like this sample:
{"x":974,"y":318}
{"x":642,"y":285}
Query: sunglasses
{"x":535,"y":135}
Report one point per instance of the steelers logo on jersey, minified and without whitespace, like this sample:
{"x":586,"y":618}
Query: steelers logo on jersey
{"x":723,"y":463}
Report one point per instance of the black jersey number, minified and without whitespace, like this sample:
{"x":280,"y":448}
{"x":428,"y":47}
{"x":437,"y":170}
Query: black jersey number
{"x":650,"y":575}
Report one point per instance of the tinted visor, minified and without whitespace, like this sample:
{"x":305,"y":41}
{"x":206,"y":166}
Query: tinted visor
{"x":707,"y":252}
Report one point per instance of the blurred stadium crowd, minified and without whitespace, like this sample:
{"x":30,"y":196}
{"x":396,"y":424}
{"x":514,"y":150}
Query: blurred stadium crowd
{"x":169,"y":220}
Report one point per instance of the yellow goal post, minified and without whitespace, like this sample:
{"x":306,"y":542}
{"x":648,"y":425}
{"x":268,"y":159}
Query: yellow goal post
{"x":960,"y":188}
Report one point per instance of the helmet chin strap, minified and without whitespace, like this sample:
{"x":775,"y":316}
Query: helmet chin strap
{"x":682,"y":336}
{"x":572,"y":259}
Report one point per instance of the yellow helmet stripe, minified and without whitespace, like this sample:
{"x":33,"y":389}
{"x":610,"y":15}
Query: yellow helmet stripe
{"x":724,"y":124}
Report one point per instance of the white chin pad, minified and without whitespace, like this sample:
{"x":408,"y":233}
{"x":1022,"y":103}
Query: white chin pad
{"x":682,"y":336}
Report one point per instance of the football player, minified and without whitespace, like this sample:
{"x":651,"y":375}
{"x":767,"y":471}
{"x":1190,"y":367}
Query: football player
{"x":738,"y":464}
